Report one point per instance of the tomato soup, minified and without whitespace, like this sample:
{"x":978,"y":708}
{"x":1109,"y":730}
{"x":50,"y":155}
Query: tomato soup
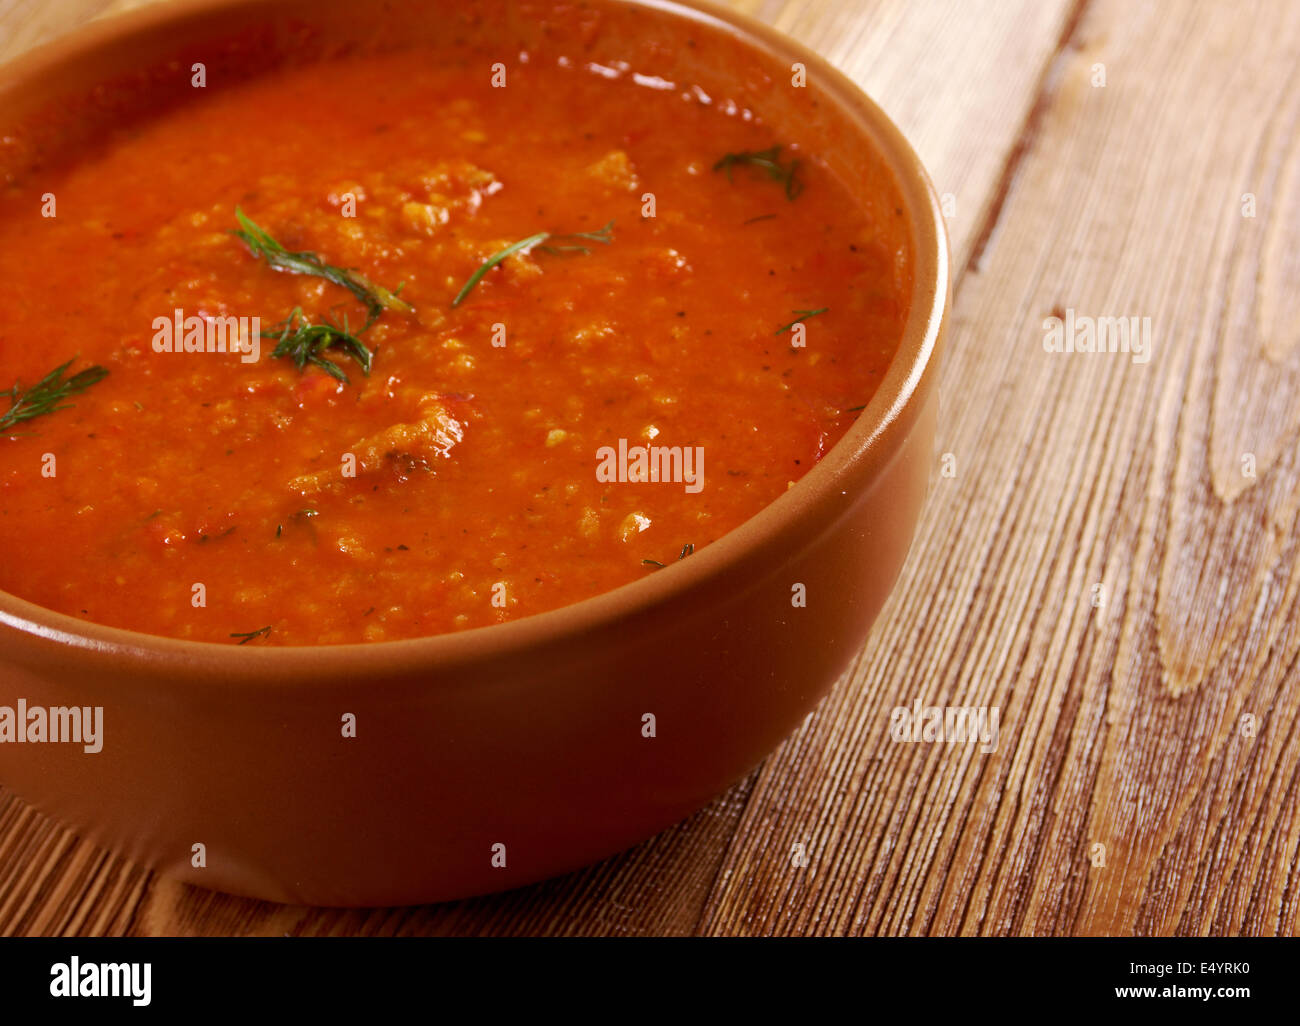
{"x":390,"y":347}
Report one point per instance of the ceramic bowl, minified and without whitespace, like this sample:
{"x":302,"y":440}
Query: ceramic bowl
{"x":527,"y":735}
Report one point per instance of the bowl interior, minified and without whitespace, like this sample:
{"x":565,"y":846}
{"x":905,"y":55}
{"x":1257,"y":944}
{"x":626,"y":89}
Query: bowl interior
{"x":127,"y":67}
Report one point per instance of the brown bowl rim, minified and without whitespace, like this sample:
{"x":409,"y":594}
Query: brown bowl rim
{"x":868,"y":444}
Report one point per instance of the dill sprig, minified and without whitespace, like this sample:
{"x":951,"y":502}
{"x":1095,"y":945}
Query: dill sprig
{"x":603,"y":235}
{"x":48,"y":395}
{"x":375,"y":298}
{"x":248,"y":636}
{"x":687,"y":550}
{"x":801,"y":315}
{"x":298,"y":339}
{"x":769,"y":161}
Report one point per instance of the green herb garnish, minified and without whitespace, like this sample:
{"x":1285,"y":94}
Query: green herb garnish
{"x":803,"y":315}
{"x":768,"y":160}
{"x":602,"y":235}
{"x":687,"y":550}
{"x":298,"y":339}
{"x":856,"y":409}
{"x":250,"y":635}
{"x":48,"y":395}
{"x":375,"y":298}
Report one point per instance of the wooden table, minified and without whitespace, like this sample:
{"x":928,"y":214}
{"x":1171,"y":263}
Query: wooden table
{"x":1108,"y":556}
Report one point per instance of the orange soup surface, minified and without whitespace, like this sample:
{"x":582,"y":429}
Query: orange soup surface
{"x":711,"y":321}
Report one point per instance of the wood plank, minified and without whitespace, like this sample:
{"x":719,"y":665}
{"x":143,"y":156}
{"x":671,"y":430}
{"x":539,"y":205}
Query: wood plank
{"x":961,"y":79}
{"x":28,"y":23}
{"x":1120,"y":726}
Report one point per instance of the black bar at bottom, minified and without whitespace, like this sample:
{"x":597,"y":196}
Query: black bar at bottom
{"x":75,"y":978}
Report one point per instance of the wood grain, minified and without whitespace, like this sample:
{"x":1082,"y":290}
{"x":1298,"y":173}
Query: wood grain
{"x":1125,"y":726}
{"x":1077,"y":470}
